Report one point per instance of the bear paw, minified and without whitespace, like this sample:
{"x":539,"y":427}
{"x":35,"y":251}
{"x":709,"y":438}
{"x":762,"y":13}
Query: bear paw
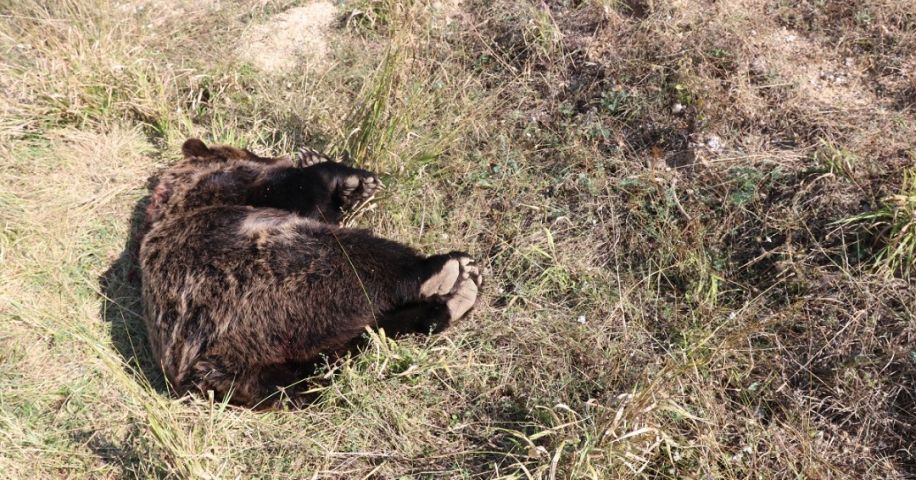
{"x":358,"y":187}
{"x":456,"y":284}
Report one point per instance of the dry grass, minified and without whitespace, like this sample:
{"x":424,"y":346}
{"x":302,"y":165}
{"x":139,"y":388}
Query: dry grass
{"x":696,"y":217}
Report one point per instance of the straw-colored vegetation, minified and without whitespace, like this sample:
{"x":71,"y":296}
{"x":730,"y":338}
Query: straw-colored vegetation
{"x":697,"y":219}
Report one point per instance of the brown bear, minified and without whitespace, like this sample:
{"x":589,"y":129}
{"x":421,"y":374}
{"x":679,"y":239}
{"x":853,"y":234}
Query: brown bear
{"x":246,"y":274}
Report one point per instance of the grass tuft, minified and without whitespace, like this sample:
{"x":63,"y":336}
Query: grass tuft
{"x":895,"y":226}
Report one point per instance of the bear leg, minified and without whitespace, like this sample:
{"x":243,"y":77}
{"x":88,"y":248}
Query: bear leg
{"x":320,"y":191}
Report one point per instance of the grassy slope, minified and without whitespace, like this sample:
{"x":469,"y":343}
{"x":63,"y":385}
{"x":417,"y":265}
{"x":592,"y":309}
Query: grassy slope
{"x":669,"y":291}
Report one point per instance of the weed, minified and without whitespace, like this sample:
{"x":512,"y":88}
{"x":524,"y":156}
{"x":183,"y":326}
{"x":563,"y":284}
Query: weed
{"x":746,"y":184}
{"x":836,"y":160}
{"x":619,"y":104}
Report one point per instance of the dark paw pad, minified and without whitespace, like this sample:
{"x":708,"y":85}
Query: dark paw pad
{"x":358,"y":187}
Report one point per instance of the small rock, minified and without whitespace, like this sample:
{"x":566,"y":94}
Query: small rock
{"x":581,"y":319}
{"x":677,"y":108}
{"x":714,"y":143}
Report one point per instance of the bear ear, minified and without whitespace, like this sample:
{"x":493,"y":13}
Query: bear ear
{"x":194,"y":148}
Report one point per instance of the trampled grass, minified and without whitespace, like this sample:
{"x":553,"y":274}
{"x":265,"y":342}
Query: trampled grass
{"x":698,"y":250}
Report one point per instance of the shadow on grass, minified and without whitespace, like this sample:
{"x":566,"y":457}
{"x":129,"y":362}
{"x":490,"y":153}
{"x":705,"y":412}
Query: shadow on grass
{"x":123,"y":309}
{"x":121,"y":454}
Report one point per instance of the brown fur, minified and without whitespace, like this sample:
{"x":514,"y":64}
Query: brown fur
{"x":245,"y":273}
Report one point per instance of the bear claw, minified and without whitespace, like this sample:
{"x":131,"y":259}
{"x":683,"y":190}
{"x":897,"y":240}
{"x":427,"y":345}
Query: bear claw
{"x":307,"y":157}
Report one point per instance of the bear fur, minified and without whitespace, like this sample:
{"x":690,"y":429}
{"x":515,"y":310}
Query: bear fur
{"x":246,"y":274}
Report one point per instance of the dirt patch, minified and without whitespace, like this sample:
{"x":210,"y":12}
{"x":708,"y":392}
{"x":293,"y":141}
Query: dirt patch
{"x":819,"y":78}
{"x":295,"y":35}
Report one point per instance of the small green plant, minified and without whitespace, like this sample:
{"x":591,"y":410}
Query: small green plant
{"x":864,"y":17}
{"x":746,"y":181}
{"x":718,"y":52}
{"x":619,"y":103}
{"x":895,"y":222}
{"x":684,"y":94}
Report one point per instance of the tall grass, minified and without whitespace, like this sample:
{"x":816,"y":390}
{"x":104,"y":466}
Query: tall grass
{"x":372,"y":125}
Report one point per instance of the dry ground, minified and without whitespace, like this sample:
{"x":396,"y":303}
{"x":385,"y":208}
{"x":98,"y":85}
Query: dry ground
{"x":697,"y":217}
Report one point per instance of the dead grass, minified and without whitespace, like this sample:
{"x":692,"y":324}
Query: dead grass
{"x":699,"y":250}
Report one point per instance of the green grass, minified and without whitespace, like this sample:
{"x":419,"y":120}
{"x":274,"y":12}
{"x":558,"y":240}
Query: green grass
{"x":895,"y":225}
{"x":653,"y":307}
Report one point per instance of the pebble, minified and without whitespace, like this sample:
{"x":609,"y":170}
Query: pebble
{"x":714,"y":143}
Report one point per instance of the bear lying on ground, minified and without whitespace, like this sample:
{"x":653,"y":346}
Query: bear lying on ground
{"x":246,"y":274}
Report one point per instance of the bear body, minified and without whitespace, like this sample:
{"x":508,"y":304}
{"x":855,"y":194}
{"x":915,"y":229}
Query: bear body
{"x":246,"y":274}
